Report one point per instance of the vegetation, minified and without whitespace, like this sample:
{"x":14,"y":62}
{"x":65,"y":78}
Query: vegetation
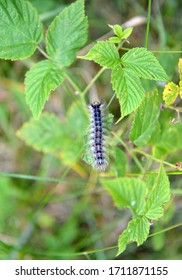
{"x":54,"y":204}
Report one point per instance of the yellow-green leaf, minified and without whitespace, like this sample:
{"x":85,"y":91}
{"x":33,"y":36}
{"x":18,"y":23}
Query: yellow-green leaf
{"x":170,"y":93}
{"x":180,"y":68}
{"x":180,"y":76}
{"x":126,"y":33}
{"x":117,"y":30}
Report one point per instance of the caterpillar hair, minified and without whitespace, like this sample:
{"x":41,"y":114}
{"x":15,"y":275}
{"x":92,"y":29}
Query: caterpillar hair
{"x":97,"y":137}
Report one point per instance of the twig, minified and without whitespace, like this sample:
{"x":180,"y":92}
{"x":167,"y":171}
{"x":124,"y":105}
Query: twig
{"x":43,"y":52}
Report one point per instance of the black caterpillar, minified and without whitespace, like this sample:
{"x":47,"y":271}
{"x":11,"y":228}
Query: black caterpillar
{"x":97,"y":137}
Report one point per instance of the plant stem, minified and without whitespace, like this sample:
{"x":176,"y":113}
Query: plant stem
{"x":92,"y":81}
{"x":160,"y":51}
{"x":166,"y":229}
{"x":51,"y":13}
{"x":74,"y":85}
{"x":148,"y":24}
{"x":38,"y":178}
{"x":86,"y":253}
{"x":111,"y":100}
{"x":153,"y":158}
{"x":43,"y":52}
{"x":177,"y":109}
{"x":130,"y":152}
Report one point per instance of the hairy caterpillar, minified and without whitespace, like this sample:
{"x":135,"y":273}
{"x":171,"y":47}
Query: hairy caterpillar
{"x":97,"y":137}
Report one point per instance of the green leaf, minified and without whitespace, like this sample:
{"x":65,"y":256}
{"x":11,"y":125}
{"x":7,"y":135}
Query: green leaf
{"x":144,"y":64}
{"x":119,"y":162}
{"x":20,"y":29}
{"x":145,"y":120}
{"x":76,"y":125}
{"x":126,"y":33}
{"x":180,"y":68}
{"x":169,"y":142}
{"x":67,"y":34}
{"x":127,"y":192}
{"x":114,"y":40}
{"x":45,"y":134}
{"x":77,"y":120}
{"x":128,"y":89}
{"x":105,"y":54}
{"x":43,"y":77}
{"x":180,"y":76}
{"x":170,"y":93}
{"x":180,"y":92}
{"x":158,"y":196}
{"x":49,"y":135}
{"x":118,"y":31}
{"x":137,"y":230}
{"x":155,"y":137}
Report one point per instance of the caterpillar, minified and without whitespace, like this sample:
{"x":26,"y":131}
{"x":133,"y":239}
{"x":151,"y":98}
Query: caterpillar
{"x":97,"y":137}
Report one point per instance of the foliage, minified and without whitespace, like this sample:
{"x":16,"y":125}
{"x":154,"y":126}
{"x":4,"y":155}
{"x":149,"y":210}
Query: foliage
{"x":126,"y":72}
{"x":20,"y":29}
{"x":146,"y":201}
{"x":58,"y":211}
{"x":142,"y":128}
{"x":48,"y":132}
{"x":40,"y":80}
{"x":171,"y":90}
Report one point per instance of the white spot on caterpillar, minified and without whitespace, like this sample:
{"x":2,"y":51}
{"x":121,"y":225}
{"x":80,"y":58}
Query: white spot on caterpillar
{"x":97,"y":136}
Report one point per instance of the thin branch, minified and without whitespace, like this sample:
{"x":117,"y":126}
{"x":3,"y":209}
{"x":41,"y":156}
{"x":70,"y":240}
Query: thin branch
{"x":43,"y":52}
{"x":70,"y":80}
{"x":91,"y":83}
{"x":130,"y":152}
{"x":153,"y":158}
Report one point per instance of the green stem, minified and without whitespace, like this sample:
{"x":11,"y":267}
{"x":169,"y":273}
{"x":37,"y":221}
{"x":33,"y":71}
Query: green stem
{"x":92,"y":81}
{"x":153,"y":158}
{"x":86,"y":253}
{"x":153,"y":174}
{"x":159,"y":51}
{"x":74,"y":85}
{"x":130,"y":152}
{"x":176,"y":192}
{"x":37,"y":178}
{"x":148,"y":24}
{"x":166,"y":229}
{"x":50,"y":14}
{"x":177,"y":109}
{"x":43,"y":52}
{"x":111,"y":100}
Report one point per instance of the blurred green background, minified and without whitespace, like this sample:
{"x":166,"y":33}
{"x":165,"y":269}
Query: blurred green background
{"x":58,"y":218}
